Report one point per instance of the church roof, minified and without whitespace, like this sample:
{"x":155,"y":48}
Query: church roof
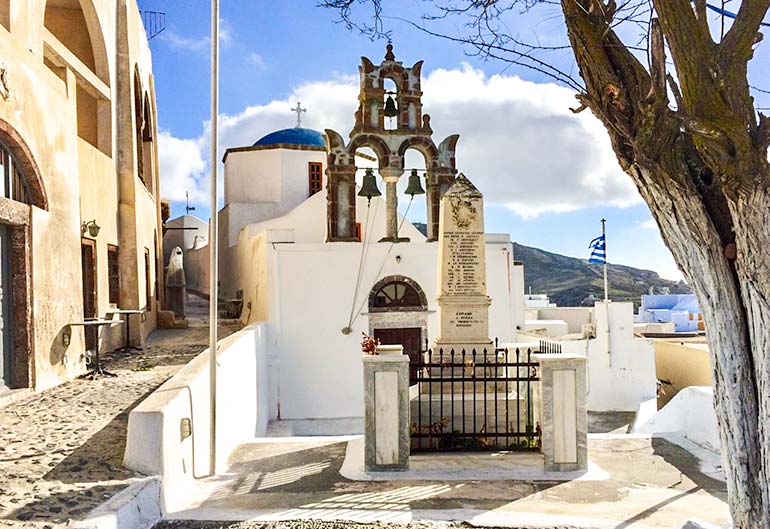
{"x":295,"y":136}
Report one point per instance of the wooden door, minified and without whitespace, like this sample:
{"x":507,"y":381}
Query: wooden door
{"x":410,"y":338}
{"x":6,"y":345}
{"x":88,"y":263}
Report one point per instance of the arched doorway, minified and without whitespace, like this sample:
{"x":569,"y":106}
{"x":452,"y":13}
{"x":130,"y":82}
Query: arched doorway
{"x":398,"y":315}
{"x":20,"y":188}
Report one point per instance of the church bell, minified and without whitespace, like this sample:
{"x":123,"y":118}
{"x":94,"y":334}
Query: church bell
{"x":390,"y":107}
{"x":414,"y":187}
{"x":369,"y":186}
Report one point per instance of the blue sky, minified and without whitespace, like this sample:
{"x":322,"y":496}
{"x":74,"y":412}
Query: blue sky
{"x":274,"y":52}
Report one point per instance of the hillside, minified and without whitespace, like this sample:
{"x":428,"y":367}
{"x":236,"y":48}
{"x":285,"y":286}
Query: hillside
{"x":568,"y":281}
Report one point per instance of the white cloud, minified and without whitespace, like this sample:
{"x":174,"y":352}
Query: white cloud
{"x":519,"y":142}
{"x":182,"y":168}
{"x":198,"y":44}
{"x":181,"y":42}
{"x":649,"y":224}
{"x":256,"y":59}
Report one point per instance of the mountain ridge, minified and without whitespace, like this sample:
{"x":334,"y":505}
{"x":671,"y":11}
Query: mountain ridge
{"x":568,"y":281}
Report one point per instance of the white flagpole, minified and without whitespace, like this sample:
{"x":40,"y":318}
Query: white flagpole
{"x":606,"y":287}
{"x":213,"y":234}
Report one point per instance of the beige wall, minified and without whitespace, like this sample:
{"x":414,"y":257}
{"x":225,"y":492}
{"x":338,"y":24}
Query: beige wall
{"x":68,"y":107}
{"x":683,"y":364}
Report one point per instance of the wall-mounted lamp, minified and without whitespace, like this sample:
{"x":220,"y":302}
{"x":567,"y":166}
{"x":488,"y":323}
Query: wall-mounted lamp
{"x":91,"y":227}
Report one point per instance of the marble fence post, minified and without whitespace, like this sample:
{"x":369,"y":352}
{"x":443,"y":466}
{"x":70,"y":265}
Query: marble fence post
{"x":564,"y":419}
{"x":386,"y":410}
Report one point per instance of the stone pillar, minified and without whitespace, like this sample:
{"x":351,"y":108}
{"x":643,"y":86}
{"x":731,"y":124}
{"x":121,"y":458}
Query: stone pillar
{"x":432,"y":198}
{"x":386,"y":411}
{"x":391,"y":176}
{"x":564,"y":419}
{"x":341,"y":204}
{"x":391,"y":205}
{"x":437,"y":182}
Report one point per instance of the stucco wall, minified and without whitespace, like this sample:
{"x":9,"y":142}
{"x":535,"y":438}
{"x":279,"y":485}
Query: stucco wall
{"x":154,"y":445}
{"x":621,"y":367}
{"x":575,"y":317}
{"x":683,"y":364}
{"x":80,"y":179}
{"x":265,"y":184}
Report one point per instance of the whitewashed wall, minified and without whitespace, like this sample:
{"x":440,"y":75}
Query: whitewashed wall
{"x":265,"y":184}
{"x":575,"y":317}
{"x":621,"y":367}
{"x":625,"y":377}
{"x":154,"y":445}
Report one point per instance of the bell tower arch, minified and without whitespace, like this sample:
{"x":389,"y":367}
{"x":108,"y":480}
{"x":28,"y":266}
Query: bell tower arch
{"x":412,"y":130}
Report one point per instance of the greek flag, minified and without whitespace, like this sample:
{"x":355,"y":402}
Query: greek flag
{"x":598,"y":253}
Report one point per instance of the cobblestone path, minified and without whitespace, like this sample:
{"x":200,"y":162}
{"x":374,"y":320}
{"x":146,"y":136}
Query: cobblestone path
{"x":61,"y":451}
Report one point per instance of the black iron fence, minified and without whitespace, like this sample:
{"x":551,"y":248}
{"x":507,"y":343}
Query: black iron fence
{"x":475,"y":400}
{"x":550,"y":347}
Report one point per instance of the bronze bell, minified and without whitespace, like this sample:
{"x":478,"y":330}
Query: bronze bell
{"x":414,"y":187}
{"x":369,"y":186}
{"x":390,"y":108}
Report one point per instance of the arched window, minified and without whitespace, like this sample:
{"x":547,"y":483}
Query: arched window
{"x":396,"y":295}
{"x":139,"y":126}
{"x":13,"y":185}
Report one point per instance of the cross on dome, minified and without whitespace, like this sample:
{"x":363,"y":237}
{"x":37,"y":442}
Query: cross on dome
{"x":299,"y":110}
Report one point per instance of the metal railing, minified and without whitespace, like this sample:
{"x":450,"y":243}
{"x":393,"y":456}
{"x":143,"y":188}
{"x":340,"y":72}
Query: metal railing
{"x":475,"y":400}
{"x":550,"y":347}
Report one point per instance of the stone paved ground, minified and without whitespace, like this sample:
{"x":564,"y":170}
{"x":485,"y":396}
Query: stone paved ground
{"x":315,"y":524}
{"x":61,"y":450}
{"x":640,"y":483}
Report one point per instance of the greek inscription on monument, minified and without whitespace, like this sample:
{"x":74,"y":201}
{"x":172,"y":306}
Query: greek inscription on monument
{"x":463,"y":301}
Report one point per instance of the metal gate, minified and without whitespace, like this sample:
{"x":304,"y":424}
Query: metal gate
{"x":466,"y":400}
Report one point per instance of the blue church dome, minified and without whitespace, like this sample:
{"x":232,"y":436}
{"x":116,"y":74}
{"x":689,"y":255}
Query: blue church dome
{"x":295,"y":136}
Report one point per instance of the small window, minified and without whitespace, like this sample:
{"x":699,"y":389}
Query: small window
{"x":147,"y":284}
{"x":113,"y":274}
{"x":315,"y":178}
{"x":13,"y":185}
{"x":396,"y":295}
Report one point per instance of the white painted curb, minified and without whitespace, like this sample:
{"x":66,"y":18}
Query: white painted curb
{"x":136,"y":507}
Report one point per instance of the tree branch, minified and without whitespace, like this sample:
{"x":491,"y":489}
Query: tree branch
{"x":738,"y":42}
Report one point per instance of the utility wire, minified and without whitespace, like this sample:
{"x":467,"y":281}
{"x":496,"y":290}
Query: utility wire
{"x":385,"y":260}
{"x":360,"y":266}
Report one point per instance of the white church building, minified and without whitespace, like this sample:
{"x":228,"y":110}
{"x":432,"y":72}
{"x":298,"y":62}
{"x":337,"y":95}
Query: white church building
{"x":321,"y":265}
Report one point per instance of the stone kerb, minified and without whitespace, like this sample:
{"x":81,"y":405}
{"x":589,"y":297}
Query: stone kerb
{"x":564,"y":418}
{"x":386,"y":410}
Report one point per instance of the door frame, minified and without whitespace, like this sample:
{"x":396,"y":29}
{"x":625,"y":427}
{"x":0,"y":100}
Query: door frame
{"x":84,"y":241}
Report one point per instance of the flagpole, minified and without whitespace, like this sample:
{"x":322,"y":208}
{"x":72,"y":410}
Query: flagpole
{"x":213,"y":247}
{"x":604,"y":237}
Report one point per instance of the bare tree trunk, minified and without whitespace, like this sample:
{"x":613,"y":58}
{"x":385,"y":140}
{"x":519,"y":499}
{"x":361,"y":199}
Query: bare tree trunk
{"x":721,"y":291}
{"x":702,"y":169}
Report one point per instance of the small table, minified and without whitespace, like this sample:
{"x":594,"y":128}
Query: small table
{"x":97,"y":368}
{"x":127,"y":319}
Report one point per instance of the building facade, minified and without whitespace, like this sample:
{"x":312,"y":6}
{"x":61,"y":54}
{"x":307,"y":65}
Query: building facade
{"x":79,"y":211}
